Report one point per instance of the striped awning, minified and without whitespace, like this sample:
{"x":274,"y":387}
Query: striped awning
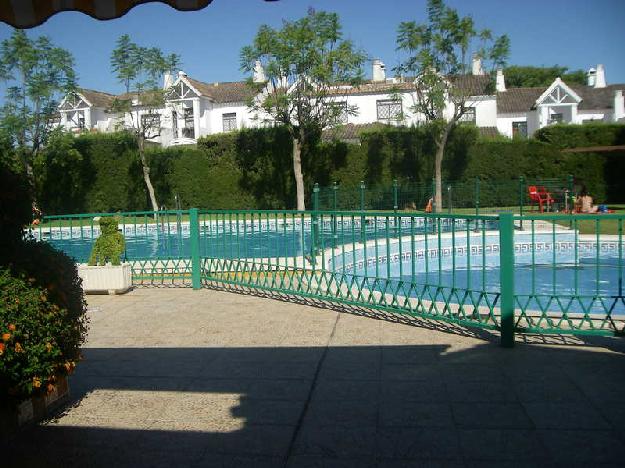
{"x":29,"y":13}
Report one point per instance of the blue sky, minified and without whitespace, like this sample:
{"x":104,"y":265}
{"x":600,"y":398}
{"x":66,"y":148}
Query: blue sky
{"x":575,"y":33}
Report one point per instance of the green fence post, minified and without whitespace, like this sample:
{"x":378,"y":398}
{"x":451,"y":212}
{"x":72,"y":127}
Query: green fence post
{"x":506,"y":278}
{"x":521,"y":199}
{"x":315,"y":221}
{"x":571,"y":187}
{"x":194,"y":228}
{"x":362,"y":210}
{"x":316,"y":197}
{"x":477,"y":196}
{"x":335,"y":188}
{"x":395,"y":204}
{"x":395,"y":196}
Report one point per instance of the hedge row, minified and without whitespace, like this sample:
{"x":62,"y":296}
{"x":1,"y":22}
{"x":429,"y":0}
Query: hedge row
{"x":253,"y":169}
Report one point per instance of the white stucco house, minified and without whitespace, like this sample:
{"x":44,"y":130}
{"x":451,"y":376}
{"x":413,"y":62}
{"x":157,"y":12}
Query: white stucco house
{"x":194,"y":108}
{"x":522,"y":111}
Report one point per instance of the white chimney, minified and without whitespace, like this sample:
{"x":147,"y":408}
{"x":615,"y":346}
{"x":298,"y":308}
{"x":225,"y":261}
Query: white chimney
{"x":600,"y":79}
{"x":168,"y":79}
{"x":591,"y":76}
{"x":259,"y":73}
{"x":379,"y":70}
{"x":477,"y":65}
{"x":500,"y":82}
{"x":619,"y":105}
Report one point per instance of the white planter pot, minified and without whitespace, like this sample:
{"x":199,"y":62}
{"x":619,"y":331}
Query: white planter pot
{"x":105,"y":279}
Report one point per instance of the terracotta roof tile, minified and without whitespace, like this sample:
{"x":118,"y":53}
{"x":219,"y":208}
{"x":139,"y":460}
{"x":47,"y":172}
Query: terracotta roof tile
{"x":523,"y":99}
{"x":517,"y":99}
{"x":234,"y":91}
{"x":597,"y":98}
{"x":471,"y":84}
{"x":488,"y":132}
{"x":97,"y":98}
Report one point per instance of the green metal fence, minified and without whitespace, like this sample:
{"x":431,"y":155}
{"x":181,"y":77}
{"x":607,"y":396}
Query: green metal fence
{"x":514,"y":273}
{"x":469,"y":196}
{"x":157,"y":246}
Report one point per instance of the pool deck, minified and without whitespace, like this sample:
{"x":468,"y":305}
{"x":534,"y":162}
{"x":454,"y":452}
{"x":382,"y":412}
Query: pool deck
{"x":176,"y":377}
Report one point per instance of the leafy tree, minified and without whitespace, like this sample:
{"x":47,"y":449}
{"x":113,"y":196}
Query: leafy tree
{"x":302,"y":62}
{"x":140,"y":69}
{"x":436,"y":54}
{"x":37,"y":75}
{"x":528,"y":76}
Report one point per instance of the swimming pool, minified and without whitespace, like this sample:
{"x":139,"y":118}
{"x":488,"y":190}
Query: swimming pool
{"x":437,"y":266}
{"x":561,"y":272}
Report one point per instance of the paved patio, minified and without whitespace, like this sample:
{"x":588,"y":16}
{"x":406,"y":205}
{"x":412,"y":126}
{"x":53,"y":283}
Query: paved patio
{"x":175,"y":377}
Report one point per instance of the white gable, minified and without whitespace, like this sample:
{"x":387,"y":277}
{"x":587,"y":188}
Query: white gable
{"x":558,"y":93}
{"x":182,"y":89}
{"x":74,"y":101}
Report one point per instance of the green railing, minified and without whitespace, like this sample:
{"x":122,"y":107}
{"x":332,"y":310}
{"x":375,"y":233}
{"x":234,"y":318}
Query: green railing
{"x":534,"y":274}
{"x":474,"y":196}
{"x":157,"y":244}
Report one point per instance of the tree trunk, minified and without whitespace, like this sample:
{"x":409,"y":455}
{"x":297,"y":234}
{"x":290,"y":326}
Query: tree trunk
{"x":146,"y":175}
{"x":441,"y":142}
{"x":297,"y":171}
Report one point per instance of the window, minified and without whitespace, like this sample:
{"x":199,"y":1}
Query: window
{"x":188,"y":131}
{"x":556,"y":118}
{"x":389,"y":110}
{"x":174,"y":123}
{"x":519,"y":129}
{"x":229,"y":121}
{"x":469,"y":115}
{"x":340,"y":114}
{"x":151,"y":121}
{"x":81,"y":120}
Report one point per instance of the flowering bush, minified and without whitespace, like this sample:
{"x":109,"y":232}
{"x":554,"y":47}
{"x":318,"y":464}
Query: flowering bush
{"x":32,"y":327}
{"x":42,"y":320}
{"x":42,"y":308}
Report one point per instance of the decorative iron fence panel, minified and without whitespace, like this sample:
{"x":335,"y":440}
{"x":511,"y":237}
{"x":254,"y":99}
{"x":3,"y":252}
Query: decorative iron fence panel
{"x":537,"y":274}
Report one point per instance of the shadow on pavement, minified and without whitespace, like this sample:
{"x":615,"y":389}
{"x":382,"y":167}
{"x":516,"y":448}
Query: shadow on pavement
{"x":336,"y":406}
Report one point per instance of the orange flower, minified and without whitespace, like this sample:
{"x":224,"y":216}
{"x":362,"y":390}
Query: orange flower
{"x":48,"y":347}
{"x":11,"y":327}
{"x":69,"y":366}
{"x":1,"y":349}
{"x":36,"y":382}
{"x":18,"y":348}
{"x":50,"y":388}
{"x":6,"y":336}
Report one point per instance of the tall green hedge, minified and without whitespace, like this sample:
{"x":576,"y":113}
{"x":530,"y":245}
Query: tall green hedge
{"x":253,"y":168}
{"x":576,"y":136}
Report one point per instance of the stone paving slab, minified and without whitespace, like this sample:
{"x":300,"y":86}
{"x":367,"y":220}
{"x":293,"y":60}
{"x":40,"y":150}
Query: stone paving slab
{"x":175,"y":377}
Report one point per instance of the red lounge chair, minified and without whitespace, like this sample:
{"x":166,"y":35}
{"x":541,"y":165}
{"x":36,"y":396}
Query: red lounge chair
{"x":540,"y":196}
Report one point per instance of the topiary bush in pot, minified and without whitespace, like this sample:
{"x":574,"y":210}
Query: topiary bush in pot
{"x":105,"y":272}
{"x":109,"y":247}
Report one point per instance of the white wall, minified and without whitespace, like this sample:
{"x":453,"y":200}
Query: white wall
{"x":244,"y":116}
{"x":504,"y":122}
{"x":594,"y":115}
{"x":485,"y":111}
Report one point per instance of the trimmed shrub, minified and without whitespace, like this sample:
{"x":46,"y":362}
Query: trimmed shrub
{"x":252,"y":168}
{"x":15,"y":207}
{"x":109,"y":247}
{"x":90,"y":173}
{"x":579,"y":136}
